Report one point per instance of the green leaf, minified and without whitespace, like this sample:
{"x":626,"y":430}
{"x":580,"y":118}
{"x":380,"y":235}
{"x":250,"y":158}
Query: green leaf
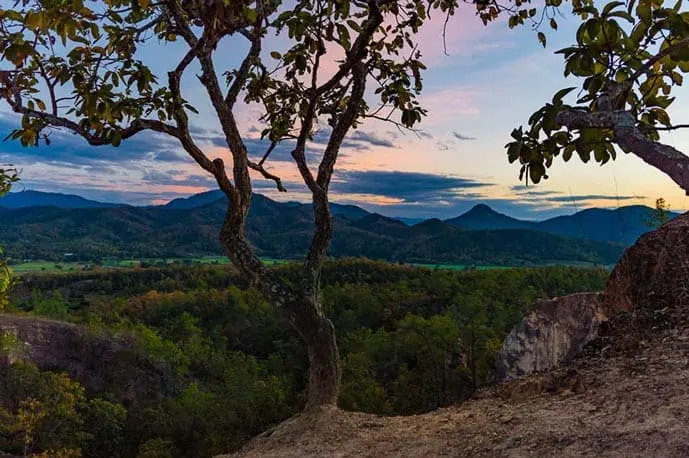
{"x":611,"y":6}
{"x":541,"y":38}
{"x":559,"y":95}
{"x":116,"y":138}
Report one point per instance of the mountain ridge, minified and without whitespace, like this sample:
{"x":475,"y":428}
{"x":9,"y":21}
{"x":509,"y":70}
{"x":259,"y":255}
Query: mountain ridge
{"x":276,"y":230}
{"x":621,"y":226}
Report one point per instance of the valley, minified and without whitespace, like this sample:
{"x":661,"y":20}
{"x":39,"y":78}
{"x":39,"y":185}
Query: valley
{"x":63,"y":229}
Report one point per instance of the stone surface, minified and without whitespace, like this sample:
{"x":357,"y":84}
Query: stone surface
{"x":554,"y":332}
{"x":654,"y":273}
{"x":102,"y":362}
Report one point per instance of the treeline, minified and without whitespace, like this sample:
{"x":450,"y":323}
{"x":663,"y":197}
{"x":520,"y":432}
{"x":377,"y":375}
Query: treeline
{"x":411,"y":339}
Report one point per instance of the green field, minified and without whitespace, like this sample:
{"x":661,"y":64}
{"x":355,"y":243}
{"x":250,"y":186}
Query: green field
{"x":56,"y":267}
{"x":53,"y":267}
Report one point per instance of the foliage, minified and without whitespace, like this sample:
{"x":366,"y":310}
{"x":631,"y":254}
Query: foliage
{"x":7,"y":178}
{"x":278,"y":231}
{"x":630,"y":56}
{"x":661,"y":214}
{"x":225,"y":368}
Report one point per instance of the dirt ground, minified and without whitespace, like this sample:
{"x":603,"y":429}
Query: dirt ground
{"x":626,"y":396}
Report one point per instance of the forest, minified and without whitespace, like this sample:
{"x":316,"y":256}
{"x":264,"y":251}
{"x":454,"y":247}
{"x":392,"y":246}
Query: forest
{"x":224,"y":366}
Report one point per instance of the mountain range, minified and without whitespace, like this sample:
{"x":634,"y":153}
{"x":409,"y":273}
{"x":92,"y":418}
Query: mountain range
{"x":39,"y":225}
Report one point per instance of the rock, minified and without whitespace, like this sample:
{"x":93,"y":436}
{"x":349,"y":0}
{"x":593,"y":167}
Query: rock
{"x":654,"y":273}
{"x":554,"y":332}
{"x":100,"y":361}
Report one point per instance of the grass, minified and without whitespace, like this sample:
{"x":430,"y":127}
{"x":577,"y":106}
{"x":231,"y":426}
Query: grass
{"x":53,"y":267}
{"x":460,"y":266}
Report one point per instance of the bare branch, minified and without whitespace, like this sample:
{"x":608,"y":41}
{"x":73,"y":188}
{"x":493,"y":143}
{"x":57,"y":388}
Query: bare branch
{"x":267,"y":175}
{"x":267,"y":154}
{"x":661,"y":54}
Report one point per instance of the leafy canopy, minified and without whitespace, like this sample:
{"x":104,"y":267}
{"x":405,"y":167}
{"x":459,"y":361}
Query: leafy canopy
{"x":77,"y":65}
{"x":629,"y":58}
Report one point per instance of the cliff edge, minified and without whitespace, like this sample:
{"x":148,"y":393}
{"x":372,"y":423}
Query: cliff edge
{"x":626,"y":395}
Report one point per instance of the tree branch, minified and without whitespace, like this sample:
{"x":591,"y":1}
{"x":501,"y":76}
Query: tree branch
{"x":267,"y":175}
{"x":358,"y":49}
{"x":137,"y":126}
{"x":216,"y":167}
{"x":630,"y":138}
{"x":661,"y":54}
{"x":245,"y":67}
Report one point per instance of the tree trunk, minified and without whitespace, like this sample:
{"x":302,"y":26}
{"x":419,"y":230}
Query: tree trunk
{"x":325,"y":370}
{"x":299,"y":308}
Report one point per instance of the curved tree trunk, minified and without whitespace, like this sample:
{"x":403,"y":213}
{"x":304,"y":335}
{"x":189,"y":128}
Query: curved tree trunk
{"x":318,"y":332}
{"x":299,"y":307}
{"x":325,"y":371}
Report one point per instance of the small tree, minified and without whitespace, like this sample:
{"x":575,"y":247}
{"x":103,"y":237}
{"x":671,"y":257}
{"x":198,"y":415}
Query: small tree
{"x":630,"y":57}
{"x":660,"y":214}
{"x":78,"y":68}
{"x":7,"y":177}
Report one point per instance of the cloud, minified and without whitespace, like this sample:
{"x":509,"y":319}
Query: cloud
{"x":459,"y":136}
{"x":405,"y":186}
{"x":443,"y":146}
{"x":531,"y":191}
{"x":371,"y":138}
{"x":177,"y":178}
{"x":585,"y":197}
{"x":68,"y":148}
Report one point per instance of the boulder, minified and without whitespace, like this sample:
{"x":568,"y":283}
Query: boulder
{"x":653,"y":274}
{"x":101,"y":361}
{"x":554,"y":332}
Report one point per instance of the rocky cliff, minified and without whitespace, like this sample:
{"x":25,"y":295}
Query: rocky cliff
{"x":626,"y":395}
{"x":101,"y":361}
{"x":554,"y":332}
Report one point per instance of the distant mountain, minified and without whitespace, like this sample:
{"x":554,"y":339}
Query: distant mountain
{"x":280,"y":230}
{"x":205,"y":198}
{"x":195,"y":201}
{"x":482,"y":216}
{"x":623,"y":225}
{"x":25,"y":199}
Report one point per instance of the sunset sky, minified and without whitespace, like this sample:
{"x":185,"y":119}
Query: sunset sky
{"x":491,"y":81}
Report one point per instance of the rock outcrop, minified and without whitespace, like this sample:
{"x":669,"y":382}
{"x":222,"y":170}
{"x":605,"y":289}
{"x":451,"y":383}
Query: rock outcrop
{"x":100,"y":361}
{"x":654,"y":273}
{"x":554,"y":332}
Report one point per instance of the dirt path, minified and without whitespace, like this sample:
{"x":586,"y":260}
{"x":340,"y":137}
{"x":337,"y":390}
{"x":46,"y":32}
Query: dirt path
{"x":634,"y":402}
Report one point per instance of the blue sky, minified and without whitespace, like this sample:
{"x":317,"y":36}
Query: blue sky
{"x":491,"y":81}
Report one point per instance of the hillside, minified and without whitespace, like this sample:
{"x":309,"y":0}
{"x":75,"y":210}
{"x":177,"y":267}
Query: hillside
{"x":626,"y":394}
{"x":619,"y":226}
{"x":622,"y":225}
{"x":612,"y":402}
{"x":277,"y":230}
{"x":28,"y":198}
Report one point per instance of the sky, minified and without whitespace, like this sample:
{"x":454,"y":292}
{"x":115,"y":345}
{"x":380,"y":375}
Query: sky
{"x":490,"y":81}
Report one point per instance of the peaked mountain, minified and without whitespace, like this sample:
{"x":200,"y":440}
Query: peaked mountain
{"x":481,"y":216}
{"x":279,"y":230}
{"x":195,"y":201}
{"x":623,"y":225}
{"x":25,"y":199}
{"x":208,"y":197}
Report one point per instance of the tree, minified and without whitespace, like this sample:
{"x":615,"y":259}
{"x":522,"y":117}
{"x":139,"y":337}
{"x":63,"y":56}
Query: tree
{"x":7,"y":177}
{"x":78,"y":68}
{"x":630,"y":57}
{"x":660,"y":214}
